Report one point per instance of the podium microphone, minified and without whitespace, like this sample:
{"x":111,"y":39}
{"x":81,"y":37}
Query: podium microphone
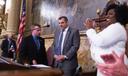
{"x":46,"y":24}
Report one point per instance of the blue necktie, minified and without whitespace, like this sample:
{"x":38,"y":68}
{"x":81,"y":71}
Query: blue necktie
{"x":37,"y":42}
{"x":60,"y":43}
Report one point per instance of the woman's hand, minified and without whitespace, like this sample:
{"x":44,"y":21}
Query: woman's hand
{"x":117,"y":68}
{"x":89,"y":23}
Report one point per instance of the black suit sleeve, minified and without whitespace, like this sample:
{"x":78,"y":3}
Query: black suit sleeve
{"x":45,"y":60}
{"x":4,"y":48}
{"x":22,"y":52}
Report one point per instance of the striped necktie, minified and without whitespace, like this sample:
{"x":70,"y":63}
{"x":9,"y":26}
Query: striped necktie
{"x":60,"y":43}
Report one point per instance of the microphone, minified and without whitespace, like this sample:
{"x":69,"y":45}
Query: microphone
{"x":46,"y":25}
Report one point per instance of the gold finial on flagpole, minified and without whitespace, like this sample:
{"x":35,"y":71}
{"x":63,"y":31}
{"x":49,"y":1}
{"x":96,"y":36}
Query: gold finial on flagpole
{"x":108,"y":0}
{"x":98,"y":12}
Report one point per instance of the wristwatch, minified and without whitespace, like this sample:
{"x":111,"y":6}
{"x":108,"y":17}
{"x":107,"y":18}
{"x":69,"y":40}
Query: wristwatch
{"x":65,"y":57}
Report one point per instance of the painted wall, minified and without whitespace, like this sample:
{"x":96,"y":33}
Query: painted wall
{"x":47,"y":12}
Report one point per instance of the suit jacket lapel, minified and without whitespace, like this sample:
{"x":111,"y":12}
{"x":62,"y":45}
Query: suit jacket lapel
{"x":57,"y":37}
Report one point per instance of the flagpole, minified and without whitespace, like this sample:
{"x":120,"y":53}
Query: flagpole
{"x":21,"y":26}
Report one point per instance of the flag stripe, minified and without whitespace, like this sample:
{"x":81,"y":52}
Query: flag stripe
{"x":22,"y":24}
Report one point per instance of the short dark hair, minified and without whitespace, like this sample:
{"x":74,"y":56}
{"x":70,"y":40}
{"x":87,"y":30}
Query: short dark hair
{"x":33,"y":25}
{"x":121,"y":12}
{"x":63,"y":17}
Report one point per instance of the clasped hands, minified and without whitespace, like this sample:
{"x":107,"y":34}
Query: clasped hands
{"x":59,"y":58}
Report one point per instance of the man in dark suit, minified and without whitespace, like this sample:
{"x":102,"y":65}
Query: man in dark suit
{"x":8,"y":47}
{"x":32,"y":50}
{"x":65,"y":47}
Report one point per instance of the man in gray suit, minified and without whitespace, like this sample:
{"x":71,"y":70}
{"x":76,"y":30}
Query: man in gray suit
{"x":65,"y":46}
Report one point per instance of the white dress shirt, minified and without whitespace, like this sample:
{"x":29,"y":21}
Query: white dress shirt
{"x":112,"y":38}
{"x":64,"y":35}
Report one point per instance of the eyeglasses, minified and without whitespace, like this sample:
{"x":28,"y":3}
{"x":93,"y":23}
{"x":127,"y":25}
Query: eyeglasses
{"x":61,"y":22}
{"x":37,"y":29}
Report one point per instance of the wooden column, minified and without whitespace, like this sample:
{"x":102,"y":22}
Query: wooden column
{"x":29,"y":16}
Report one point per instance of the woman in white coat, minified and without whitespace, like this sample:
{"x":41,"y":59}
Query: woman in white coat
{"x":112,"y":38}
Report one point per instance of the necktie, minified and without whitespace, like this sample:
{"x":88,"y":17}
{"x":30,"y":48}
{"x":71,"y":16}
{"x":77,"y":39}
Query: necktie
{"x":9,"y":44}
{"x":37,"y":43}
{"x":60,"y":43}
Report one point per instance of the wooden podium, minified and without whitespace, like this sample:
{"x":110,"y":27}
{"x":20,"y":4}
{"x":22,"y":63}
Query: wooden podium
{"x":10,"y":68}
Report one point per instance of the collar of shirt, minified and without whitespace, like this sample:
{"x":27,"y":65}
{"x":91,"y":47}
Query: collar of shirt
{"x":66,"y":29}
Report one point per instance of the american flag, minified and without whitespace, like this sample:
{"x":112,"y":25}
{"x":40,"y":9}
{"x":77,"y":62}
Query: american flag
{"x":22,"y":24}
